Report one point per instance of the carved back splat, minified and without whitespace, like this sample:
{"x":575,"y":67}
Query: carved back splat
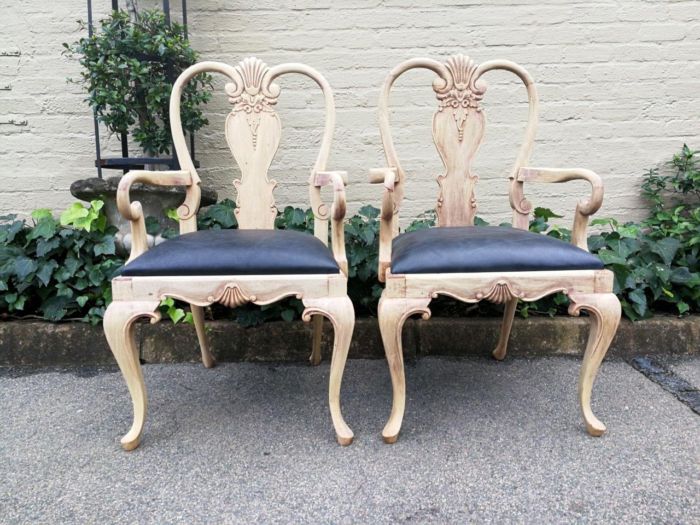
{"x":253,"y":132}
{"x":458,"y":130}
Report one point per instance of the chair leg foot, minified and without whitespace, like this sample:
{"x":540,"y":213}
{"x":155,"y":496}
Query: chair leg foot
{"x":119,"y":330}
{"x":392,"y":313}
{"x":340,"y":312}
{"x":317,"y":324}
{"x":499,"y":352}
{"x":198,"y":316}
{"x":605,"y":312}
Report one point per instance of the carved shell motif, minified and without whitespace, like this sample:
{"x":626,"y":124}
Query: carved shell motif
{"x":252,"y":94}
{"x":459,"y":93}
{"x":500,"y":293}
{"x":232,"y":296}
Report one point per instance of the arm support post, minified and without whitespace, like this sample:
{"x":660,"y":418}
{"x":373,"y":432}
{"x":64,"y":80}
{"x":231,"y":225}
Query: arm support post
{"x":133,"y":212}
{"x":337,"y":179}
{"x":389,"y":220}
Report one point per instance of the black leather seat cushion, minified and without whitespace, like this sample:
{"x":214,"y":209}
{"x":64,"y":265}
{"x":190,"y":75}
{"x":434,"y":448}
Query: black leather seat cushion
{"x":236,"y":252}
{"x":485,"y":249}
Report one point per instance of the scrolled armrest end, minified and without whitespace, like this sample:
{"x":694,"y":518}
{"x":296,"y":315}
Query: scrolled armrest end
{"x":387,"y":176}
{"x":584,"y":208}
{"x":133,"y":212}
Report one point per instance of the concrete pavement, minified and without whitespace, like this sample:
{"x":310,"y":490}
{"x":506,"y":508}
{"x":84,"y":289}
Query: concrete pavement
{"x":482,"y":442}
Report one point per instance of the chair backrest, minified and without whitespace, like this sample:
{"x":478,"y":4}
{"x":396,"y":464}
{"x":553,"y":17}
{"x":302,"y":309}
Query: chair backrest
{"x":458,"y":129}
{"x":253,"y":131}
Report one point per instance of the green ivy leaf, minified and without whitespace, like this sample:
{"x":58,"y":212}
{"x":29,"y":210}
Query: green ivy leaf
{"x":368,"y":235}
{"x":610,"y":257}
{"x":666,"y":248}
{"x":45,"y":246}
{"x":546,"y":214}
{"x":105,"y":247}
{"x":681,"y":275}
{"x":639,"y":301}
{"x":369,"y":211}
{"x":54,"y":308}
{"x":630,"y":231}
{"x":71,"y":264}
{"x":73,"y":214}
{"x":42,"y":213}
{"x":45,"y":271}
{"x":176,"y":314}
{"x":604,"y":221}
{"x":82,"y":300}
{"x":8,"y":232}
{"x":19,"y":304}
{"x":96,"y":276}
{"x":24,"y":266}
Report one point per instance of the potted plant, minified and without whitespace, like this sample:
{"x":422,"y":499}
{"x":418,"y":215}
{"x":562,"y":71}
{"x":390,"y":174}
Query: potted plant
{"x":128,"y":68}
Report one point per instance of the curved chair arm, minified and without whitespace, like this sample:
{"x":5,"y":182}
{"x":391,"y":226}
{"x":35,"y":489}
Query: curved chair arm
{"x":388,"y":226}
{"x":133,"y":212}
{"x":584,"y":208}
{"x":338,"y":179}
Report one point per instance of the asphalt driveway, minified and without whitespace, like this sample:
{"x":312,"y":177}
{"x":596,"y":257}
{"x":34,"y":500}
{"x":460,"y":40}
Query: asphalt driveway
{"x":482,"y":441}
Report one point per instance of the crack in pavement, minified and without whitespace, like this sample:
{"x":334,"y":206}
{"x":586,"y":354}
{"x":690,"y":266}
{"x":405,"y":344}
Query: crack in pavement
{"x":671,"y":382}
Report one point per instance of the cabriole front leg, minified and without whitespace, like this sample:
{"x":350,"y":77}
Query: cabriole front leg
{"x":392,"y":314}
{"x":604,"y":310}
{"x":119,"y":329}
{"x":340,"y":312}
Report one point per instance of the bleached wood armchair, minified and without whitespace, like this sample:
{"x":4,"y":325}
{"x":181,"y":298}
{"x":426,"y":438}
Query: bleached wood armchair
{"x":471,"y":264}
{"x":254,"y":264}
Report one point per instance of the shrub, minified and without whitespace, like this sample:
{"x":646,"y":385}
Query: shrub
{"x":57,"y":269}
{"x":656,"y":263}
{"x":128,"y":72}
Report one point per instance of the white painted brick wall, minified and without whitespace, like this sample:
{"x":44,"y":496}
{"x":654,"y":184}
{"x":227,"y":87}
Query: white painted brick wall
{"x":619,"y":84}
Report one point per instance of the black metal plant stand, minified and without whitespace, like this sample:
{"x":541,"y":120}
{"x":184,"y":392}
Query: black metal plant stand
{"x":126,"y":163}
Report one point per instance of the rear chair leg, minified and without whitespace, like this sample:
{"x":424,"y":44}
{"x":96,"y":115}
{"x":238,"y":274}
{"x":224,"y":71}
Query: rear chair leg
{"x":317,"y":323}
{"x":340,"y":312}
{"x":605,"y":311}
{"x":198,"y":317}
{"x":119,"y":329}
{"x":508,"y":314}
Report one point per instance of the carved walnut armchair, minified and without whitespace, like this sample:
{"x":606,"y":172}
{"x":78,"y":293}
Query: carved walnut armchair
{"x":254,"y":264}
{"x":471,"y":264}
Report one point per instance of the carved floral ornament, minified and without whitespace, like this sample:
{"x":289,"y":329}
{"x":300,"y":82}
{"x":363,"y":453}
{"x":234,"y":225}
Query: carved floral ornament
{"x":252,"y":94}
{"x":459,"y":92}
